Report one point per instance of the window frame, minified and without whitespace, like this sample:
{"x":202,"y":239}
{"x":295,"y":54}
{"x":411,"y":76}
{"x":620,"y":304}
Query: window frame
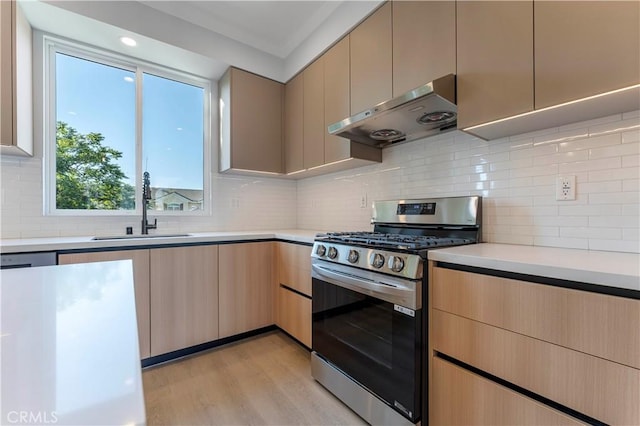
{"x":53,"y":45}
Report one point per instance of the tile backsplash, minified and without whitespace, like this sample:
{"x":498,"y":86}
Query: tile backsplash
{"x":515,"y":176}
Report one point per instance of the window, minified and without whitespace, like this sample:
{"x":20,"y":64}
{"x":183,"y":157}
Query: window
{"x":110,"y":119}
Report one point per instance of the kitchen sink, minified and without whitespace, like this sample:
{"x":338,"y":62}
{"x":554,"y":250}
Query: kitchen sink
{"x":130,"y":237}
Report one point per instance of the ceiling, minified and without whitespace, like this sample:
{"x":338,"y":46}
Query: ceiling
{"x":275,"y":27}
{"x":275,"y":39}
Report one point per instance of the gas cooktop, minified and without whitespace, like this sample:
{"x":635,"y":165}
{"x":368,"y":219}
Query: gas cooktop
{"x":392,"y":241}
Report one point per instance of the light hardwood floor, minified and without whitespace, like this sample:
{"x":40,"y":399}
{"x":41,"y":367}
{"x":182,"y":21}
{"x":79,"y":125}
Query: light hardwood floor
{"x":263,"y":380}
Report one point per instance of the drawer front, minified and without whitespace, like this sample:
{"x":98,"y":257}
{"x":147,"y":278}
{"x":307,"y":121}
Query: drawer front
{"x":294,"y":267}
{"x":597,"y":324}
{"x":294,"y":315}
{"x":601,"y":389}
{"x":460,"y":397}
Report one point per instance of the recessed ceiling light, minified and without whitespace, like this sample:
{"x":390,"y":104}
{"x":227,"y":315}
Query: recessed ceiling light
{"x":128,"y":41}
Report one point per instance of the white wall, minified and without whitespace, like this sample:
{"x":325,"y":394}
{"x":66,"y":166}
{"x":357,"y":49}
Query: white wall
{"x":516,"y":176}
{"x":239,"y":203}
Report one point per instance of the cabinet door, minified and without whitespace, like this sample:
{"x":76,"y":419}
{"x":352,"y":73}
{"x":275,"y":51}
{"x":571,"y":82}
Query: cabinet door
{"x":184,"y":297}
{"x":256,"y":122}
{"x":6,"y":74}
{"x":294,"y":315}
{"x":371,"y":61}
{"x":336,"y":99}
{"x":140,"y":260}
{"x":314,"y":128}
{"x":460,"y":397}
{"x":294,"y":267}
{"x":495,"y":60}
{"x":246,"y":287}
{"x":583,"y":48}
{"x":293,"y":134}
{"x":424,"y":42}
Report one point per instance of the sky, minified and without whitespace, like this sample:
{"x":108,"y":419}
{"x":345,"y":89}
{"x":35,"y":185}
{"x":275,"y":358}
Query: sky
{"x":92,"y":97}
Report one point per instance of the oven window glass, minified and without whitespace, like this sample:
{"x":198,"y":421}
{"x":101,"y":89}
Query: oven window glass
{"x":368,"y":340}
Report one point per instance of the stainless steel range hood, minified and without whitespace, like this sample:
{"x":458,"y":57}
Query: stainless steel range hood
{"x":424,"y":111}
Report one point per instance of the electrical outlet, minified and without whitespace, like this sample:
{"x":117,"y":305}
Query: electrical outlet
{"x":363,"y":201}
{"x":565,"y":188}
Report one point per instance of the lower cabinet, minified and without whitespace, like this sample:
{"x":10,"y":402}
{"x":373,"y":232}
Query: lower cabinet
{"x":577,"y":348}
{"x":294,"y":315}
{"x":140,"y":260}
{"x":184,"y":297}
{"x":460,"y":397}
{"x":246,"y":287}
{"x":293,"y":290}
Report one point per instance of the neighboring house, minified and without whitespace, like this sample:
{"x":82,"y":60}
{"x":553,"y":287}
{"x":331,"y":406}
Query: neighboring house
{"x":176,"y":199}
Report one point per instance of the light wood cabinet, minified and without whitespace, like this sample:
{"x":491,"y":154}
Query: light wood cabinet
{"x":584,"y":48}
{"x":16,"y":109}
{"x":293,"y":290}
{"x":371,"y":60}
{"x":184,"y":297}
{"x":577,"y":348}
{"x":293,"y":124}
{"x":460,"y":397}
{"x":294,"y":266}
{"x":293,"y":315}
{"x":313,"y":116}
{"x":246,"y":287}
{"x":251,"y":111}
{"x":140,"y":259}
{"x":336,"y":99}
{"x":424,"y":42}
{"x":597,"y":324}
{"x":494,"y":60}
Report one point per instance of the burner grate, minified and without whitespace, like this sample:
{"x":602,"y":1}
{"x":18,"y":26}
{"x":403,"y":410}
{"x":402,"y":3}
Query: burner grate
{"x":399,"y":241}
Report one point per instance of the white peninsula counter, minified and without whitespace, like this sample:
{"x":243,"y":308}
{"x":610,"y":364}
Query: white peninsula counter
{"x":69,"y":346}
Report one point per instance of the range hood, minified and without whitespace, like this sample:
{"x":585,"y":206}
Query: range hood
{"x":424,"y":111}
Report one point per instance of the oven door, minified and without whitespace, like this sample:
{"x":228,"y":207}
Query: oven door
{"x":368,"y":326}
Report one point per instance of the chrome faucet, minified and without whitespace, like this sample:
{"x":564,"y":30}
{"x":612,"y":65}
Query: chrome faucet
{"x":146,"y":196}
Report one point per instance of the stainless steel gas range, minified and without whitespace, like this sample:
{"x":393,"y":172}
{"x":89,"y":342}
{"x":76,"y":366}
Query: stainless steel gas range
{"x":369,"y":329}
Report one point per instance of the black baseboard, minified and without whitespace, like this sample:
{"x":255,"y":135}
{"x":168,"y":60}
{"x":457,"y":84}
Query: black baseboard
{"x":180,"y":353}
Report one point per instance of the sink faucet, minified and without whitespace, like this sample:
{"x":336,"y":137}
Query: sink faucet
{"x":146,"y":196}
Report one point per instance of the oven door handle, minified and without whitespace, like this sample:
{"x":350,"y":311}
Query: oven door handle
{"x":394,"y":291}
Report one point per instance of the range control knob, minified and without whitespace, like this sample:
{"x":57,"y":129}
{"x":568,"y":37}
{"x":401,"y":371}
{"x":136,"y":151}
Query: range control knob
{"x":353,"y":256}
{"x":333,"y":253}
{"x":377,"y":260}
{"x":396,"y":264}
{"x":321,"y":250}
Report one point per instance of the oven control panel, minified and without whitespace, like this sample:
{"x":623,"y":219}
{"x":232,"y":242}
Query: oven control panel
{"x":404,"y":265}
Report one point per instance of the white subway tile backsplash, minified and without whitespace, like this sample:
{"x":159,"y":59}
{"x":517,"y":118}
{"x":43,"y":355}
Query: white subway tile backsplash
{"x":515,"y":175}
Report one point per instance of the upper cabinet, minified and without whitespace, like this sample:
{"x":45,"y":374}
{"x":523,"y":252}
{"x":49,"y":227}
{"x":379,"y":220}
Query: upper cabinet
{"x":16,"y":113}
{"x":313,"y":113}
{"x":424,"y":43}
{"x":495,"y":60}
{"x":371,"y":60}
{"x":293,"y":116}
{"x":314,"y":99}
{"x":251,"y":111}
{"x":583,"y":48}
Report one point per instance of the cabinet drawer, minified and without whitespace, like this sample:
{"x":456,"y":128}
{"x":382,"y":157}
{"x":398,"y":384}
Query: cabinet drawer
{"x":294,"y":315}
{"x":597,"y":324}
{"x":294,"y":267}
{"x":601,"y":389}
{"x":460,"y":397}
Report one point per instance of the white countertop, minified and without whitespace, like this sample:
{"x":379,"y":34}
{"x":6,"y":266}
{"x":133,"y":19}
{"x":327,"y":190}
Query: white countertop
{"x":620,"y":270}
{"x":72,"y":243}
{"x":69,"y":346}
